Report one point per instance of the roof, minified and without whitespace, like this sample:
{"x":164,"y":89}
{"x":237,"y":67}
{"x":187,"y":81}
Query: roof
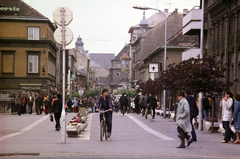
{"x":178,"y":40}
{"x":152,"y":21}
{"x":18,"y":8}
{"x":125,"y":49}
{"x":104,"y":59}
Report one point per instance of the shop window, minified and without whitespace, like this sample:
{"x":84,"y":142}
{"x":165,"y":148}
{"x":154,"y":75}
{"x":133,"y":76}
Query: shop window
{"x":32,"y":63}
{"x":33,"y":33}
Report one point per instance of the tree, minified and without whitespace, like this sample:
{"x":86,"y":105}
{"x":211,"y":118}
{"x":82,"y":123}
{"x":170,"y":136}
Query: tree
{"x":199,"y":75}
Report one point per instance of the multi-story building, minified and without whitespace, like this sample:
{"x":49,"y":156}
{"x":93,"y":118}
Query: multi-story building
{"x":118,"y":75}
{"x":27,"y":50}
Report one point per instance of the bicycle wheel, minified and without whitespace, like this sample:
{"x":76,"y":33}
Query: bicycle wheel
{"x":105,"y":131}
{"x":101,"y":130}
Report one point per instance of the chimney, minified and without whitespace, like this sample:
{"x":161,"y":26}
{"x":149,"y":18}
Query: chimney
{"x":165,"y":10}
{"x":185,"y":10}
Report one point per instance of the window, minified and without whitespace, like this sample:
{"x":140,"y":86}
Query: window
{"x":118,"y":73}
{"x":33,"y":33}
{"x":7,"y":62}
{"x":32,"y":63}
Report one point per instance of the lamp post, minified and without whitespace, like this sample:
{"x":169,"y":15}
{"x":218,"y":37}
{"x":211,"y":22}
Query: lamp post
{"x":165,"y":50}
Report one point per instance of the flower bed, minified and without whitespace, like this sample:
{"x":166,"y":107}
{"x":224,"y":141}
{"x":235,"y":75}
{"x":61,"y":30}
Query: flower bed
{"x":76,"y":125}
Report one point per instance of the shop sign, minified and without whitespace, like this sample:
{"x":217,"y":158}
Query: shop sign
{"x":31,"y":87}
{"x":12,"y":9}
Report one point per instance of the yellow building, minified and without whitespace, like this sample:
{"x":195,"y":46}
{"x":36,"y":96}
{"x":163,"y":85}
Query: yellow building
{"x":27,"y":50}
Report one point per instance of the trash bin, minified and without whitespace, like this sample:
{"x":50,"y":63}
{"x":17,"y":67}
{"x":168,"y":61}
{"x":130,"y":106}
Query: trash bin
{"x":14,"y":108}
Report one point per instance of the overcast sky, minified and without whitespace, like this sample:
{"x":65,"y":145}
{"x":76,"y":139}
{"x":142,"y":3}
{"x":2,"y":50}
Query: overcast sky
{"x":103,"y":24}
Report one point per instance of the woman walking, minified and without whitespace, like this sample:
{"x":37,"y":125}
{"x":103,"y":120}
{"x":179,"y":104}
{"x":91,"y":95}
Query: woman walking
{"x":226,"y":104}
{"x":236,"y":117}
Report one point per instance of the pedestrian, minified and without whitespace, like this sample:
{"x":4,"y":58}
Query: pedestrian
{"x":183,"y":120}
{"x":89,"y":103}
{"x":129,"y":103}
{"x":226,"y":104}
{"x":94,"y":104}
{"x":30,"y":103}
{"x":105,"y":103}
{"x":69,"y":104}
{"x":236,"y":117}
{"x":75,"y":104}
{"x":50,"y":98}
{"x":116,"y":104}
{"x":193,"y":111}
{"x":57,"y":110}
{"x":205,"y":106}
{"x":24,"y":109}
{"x":38,"y":103}
{"x":132,"y":106}
{"x":46,"y":102}
{"x":19,"y":103}
{"x":152,"y":103}
{"x":123,"y":103}
{"x":144,"y":103}
{"x":136,"y":102}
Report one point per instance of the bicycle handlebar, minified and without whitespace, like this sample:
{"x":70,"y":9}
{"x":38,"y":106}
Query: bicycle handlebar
{"x":100,"y":111}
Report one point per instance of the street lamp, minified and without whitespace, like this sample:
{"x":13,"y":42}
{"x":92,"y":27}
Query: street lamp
{"x":165,"y":50}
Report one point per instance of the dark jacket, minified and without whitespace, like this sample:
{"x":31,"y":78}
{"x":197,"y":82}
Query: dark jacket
{"x":30,"y":102}
{"x":123,"y":100}
{"x":50,"y":100}
{"x":205,"y":103}
{"x":193,"y":105}
{"x":152,"y":101}
{"x":69,"y":103}
{"x":136,"y":101}
{"x":104,"y":104}
{"x":57,"y":106}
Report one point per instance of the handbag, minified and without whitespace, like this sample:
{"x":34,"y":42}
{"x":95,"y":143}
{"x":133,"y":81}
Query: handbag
{"x":51,"y":118}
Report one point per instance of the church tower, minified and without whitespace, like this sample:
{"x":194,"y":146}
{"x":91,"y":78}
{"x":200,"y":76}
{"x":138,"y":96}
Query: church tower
{"x":143,"y":25}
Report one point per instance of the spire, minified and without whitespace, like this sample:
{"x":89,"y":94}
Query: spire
{"x":143,"y":25}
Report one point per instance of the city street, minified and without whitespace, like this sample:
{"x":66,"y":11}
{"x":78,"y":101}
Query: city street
{"x":33,"y":136}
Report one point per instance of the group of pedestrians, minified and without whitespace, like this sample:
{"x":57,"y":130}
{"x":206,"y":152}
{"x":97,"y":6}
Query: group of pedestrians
{"x":74,"y":105}
{"x":25,"y":104}
{"x":231,"y":113}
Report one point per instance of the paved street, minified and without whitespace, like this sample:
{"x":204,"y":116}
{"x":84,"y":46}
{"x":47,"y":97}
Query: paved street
{"x":33,"y":136}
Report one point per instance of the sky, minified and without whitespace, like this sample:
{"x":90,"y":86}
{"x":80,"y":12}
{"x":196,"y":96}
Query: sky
{"x":103,"y":24}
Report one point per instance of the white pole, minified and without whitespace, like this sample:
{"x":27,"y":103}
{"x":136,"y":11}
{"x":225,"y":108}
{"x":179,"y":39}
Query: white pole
{"x":165,"y":64}
{"x":201,"y":56}
{"x":63,"y":115}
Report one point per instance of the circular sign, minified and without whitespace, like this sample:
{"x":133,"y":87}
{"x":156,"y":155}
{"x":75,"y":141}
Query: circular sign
{"x":57,"y":15}
{"x":68,"y":35}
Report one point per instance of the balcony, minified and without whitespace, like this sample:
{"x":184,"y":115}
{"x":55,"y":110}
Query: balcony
{"x":193,"y":52}
{"x":192,"y":22}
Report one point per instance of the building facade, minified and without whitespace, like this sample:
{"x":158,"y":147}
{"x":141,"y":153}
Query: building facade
{"x":27,"y":50}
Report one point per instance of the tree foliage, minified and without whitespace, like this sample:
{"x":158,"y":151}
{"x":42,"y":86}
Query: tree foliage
{"x":131,"y":93}
{"x":92,"y":93}
{"x":199,"y":75}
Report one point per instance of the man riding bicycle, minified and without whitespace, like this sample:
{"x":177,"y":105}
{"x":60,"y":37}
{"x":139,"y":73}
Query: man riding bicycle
{"x":123,"y":102}
{"x":105,"y":103}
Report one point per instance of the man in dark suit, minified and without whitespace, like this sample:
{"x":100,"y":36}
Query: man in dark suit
{"x":30,"y":103}
{"x":57,"y":110}
{"x":193,"y":111}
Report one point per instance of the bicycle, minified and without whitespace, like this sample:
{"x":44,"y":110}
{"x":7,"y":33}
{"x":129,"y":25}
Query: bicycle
{"x":103,"y":126}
